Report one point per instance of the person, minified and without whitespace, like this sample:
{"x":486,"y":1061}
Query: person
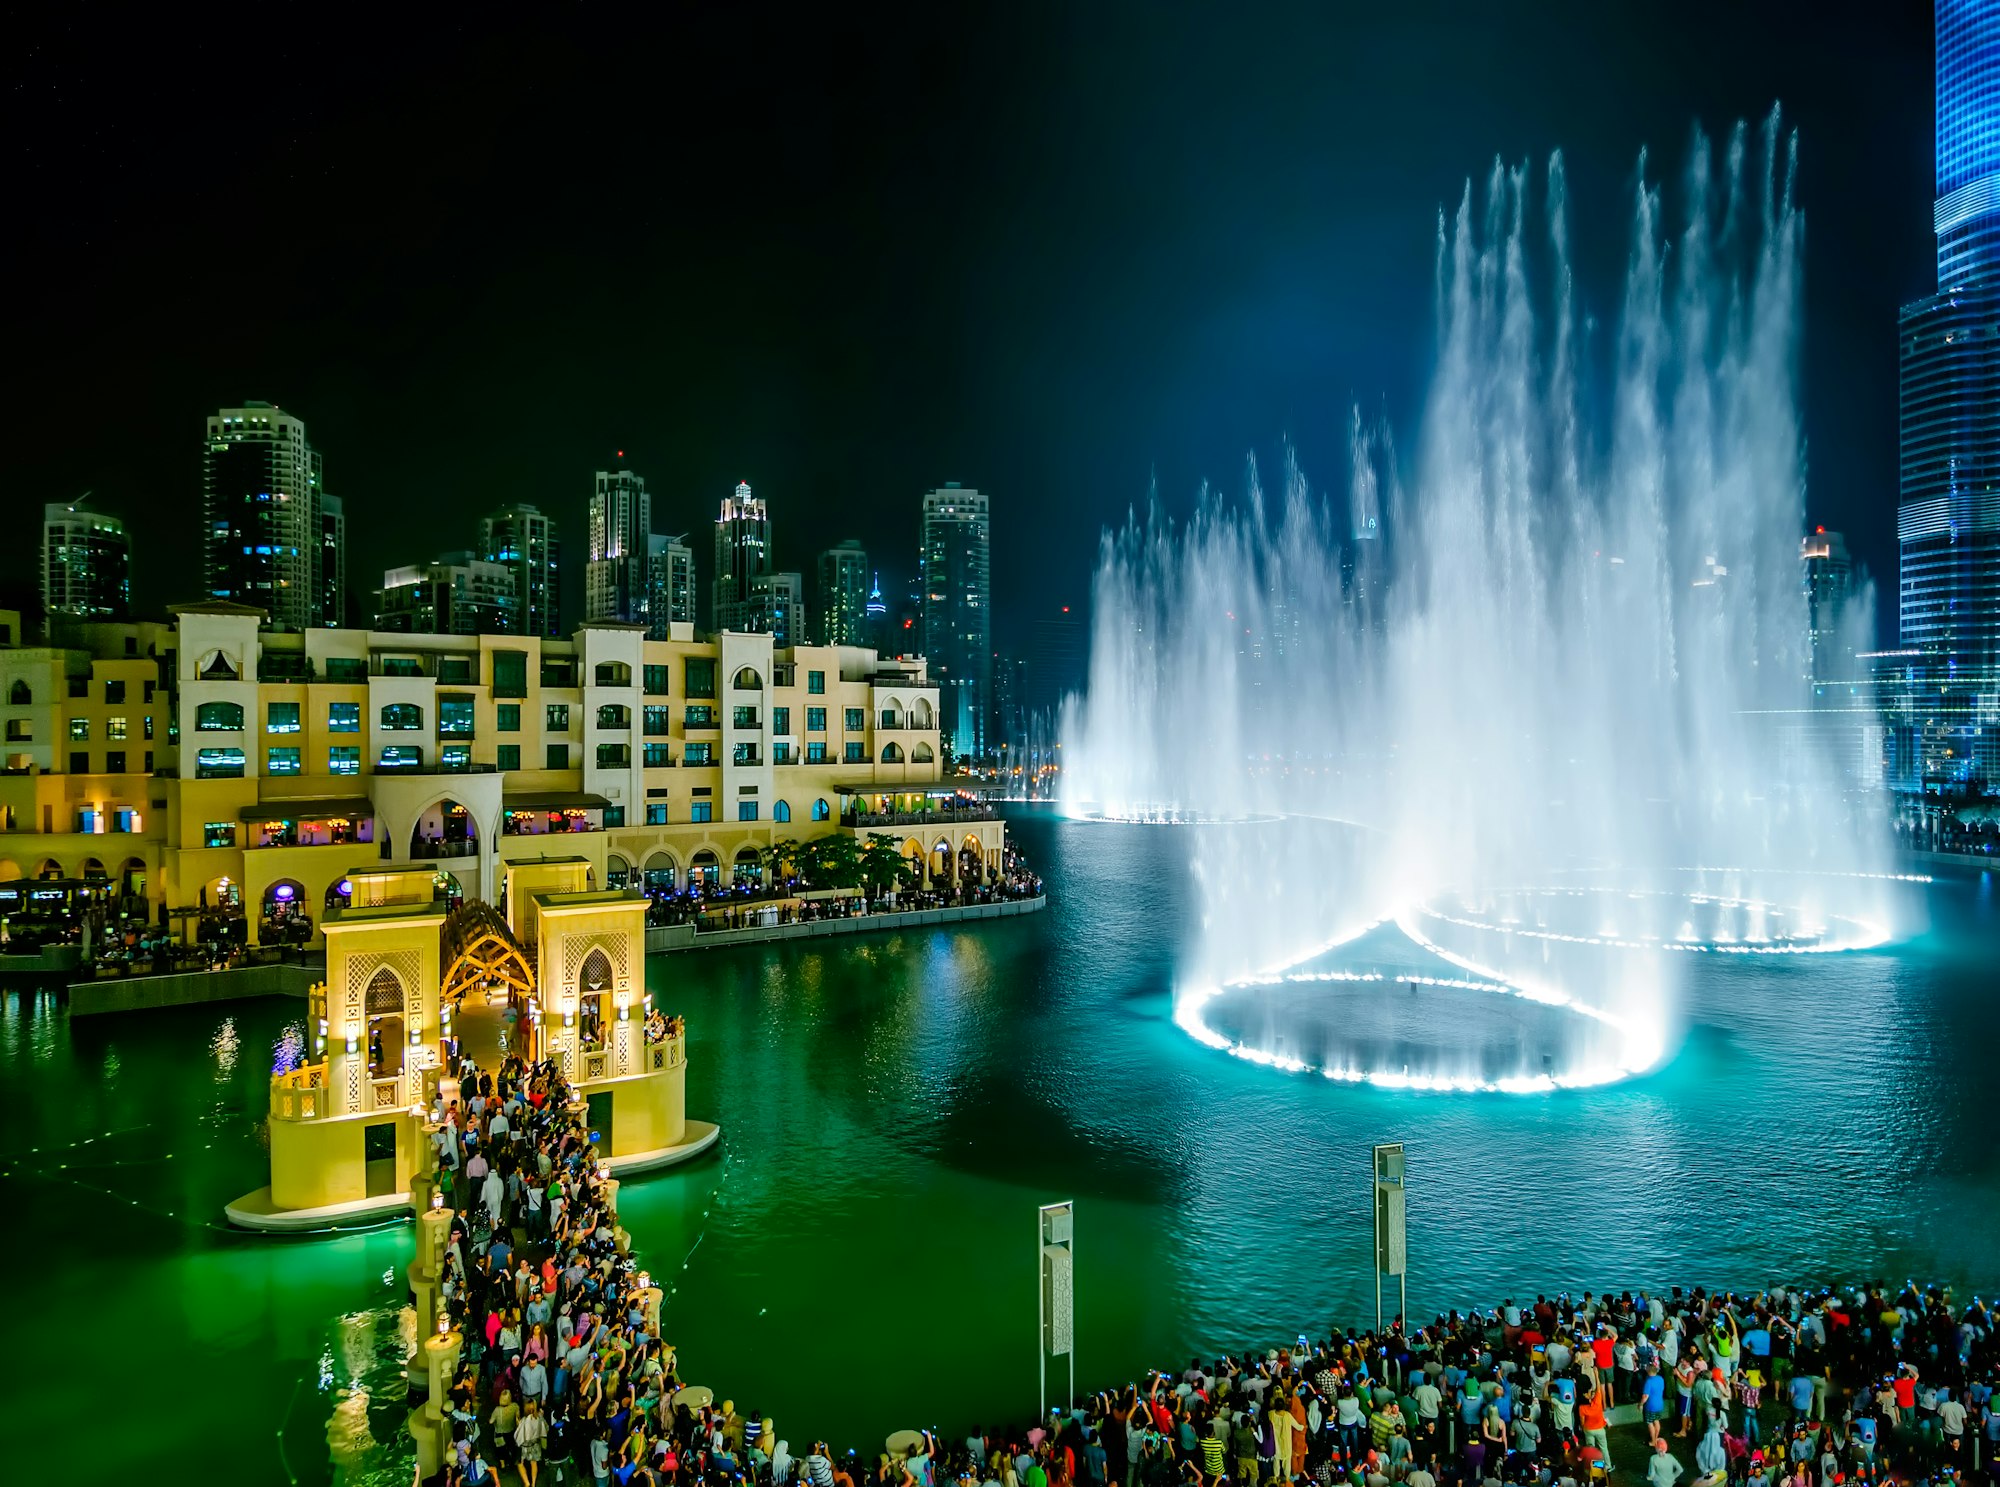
{"x":529,"y":1437}
{"x":1662,"y":1470}
{"x":1590,"y":1415}
{"x":1653,"y":1400}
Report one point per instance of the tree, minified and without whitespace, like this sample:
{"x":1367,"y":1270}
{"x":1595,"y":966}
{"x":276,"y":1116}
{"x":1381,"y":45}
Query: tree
{"x":884,"y":868}
{"x":831,"y":861}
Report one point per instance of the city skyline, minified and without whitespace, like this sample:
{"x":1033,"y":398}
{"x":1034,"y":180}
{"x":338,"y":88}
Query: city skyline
{"x":1086,"y":362}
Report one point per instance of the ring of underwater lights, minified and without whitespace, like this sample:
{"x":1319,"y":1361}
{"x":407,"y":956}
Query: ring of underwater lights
{"x":1640,"y":1041}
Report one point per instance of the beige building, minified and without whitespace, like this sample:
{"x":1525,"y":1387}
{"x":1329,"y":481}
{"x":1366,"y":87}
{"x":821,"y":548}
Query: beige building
{"x":213,"y":760}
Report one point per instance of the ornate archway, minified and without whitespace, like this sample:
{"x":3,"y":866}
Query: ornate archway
{"x":480,"y":952}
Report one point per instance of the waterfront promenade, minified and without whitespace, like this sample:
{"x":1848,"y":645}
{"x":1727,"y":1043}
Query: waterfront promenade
{"x":565,"y":1369}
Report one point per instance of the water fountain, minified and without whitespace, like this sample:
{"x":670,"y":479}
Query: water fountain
{"x":1523,"y":731}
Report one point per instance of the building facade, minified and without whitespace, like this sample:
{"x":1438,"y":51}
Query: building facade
{"x":670,"y":586}
{"x":842,"y":595}
{"x":332,"y":562}
{"x":220,"y":761}
{"x":456,"y":595}
{"x":525,"y":540}
{"x":86,"y":564}
{"x":264,"y":534}
{"x":777,"y":608}
{"x":621,"y":522}
{"x":742,"y":553}
{"x":958,"y":613}
{"x":1828,"y":580}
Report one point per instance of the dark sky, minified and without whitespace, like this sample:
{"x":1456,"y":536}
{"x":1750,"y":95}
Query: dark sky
{"x":848,"y":253}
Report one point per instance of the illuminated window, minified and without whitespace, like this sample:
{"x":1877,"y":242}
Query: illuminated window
{"x":114,"y":729}
{"x":282,"y":761}
{"x":343,"y":717}
{"x":281,"y":717}
{"x":79,"y":730}
{"x":343,"y":759}
{"x":219,"y":764}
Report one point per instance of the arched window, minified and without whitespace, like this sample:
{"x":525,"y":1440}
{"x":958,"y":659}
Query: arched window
{"x":19,"y":696}
{"x":219,"y":717}
{"x":922,"y":754}
{"x":747,"y":680}
{"x":617,"y":871}
{"x":215,"y":667}
{"x":892,"y":753}
{"x":782,"y":811}
{"x":595,"y":973}
{"x":820,"y":811}
{"x":402,"y":717}
{"x":920,"y":715}
{"x":660,"y":873}
{"x":613,"y":674}
{"x":385,"y":993}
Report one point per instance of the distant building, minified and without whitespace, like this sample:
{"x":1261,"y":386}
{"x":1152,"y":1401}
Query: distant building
{"x":777,"y":608}
{"x":621,"y":521}
{"x":842,"y":595}
{"x":524,"y":540}
{"x":264,"y":533}
{"x":332,"y":562}
{"x":456,"y":595}
{"x":86,"y":563}
{"x":1828,"y":579}
{"x":742,"y":552}
{"x":958,"y":613}
{"x":1058,"y":659}
{"x":670,"y":586}
{"x":875,"y":621}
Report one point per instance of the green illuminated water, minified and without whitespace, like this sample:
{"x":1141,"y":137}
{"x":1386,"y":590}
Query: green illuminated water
{"x":894,"y":1109}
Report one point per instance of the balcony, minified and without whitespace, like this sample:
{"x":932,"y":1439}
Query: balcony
{"x":746,"y":755}
{"x":304,"y":1094}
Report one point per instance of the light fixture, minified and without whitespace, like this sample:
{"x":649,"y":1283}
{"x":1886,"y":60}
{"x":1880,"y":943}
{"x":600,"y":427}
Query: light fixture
{"x":416,"y":1035}
{"x":353,"y":1043}
{"x":437,"y":1198}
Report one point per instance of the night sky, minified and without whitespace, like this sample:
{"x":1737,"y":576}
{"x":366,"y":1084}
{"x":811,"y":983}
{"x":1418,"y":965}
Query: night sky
{"x":1055,"y":252}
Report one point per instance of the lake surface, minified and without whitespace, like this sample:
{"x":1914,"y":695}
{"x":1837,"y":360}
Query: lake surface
{"x":860,"y":1255}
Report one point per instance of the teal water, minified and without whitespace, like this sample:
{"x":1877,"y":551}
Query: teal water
{"x":859,"y":1257}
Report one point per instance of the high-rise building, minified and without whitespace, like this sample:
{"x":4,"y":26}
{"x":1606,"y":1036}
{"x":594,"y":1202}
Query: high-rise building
{"x":875,"y":619}
{"x":524,"y":540}
{"x":332,"y":562}
{"x":742,"y":551}
{"x":621,"y":519}
{"x":1948,"y":522}
{"x":843,"y":595}
{"x":670,"y":586}
{"x":777,"y":608}
{"x":86,"y":563}
{"x":958,"y":613}
{"x":458,"y":594}
{"x":1828,"y":579}
{"x":264,"y":539}
{"x":1058,"y":659}
{"x":1966,"y":217}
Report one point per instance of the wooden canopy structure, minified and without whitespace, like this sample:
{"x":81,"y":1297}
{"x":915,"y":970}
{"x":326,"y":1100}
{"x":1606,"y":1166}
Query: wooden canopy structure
{"x":479,"y":951}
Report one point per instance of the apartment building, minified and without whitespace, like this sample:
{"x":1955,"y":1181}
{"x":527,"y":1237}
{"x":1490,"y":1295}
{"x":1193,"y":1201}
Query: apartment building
{"x":215,"y":760}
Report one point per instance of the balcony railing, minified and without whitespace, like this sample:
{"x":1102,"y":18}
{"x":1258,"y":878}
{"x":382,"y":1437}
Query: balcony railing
{"x":919,"y":818}
{"x":304,"y":1094}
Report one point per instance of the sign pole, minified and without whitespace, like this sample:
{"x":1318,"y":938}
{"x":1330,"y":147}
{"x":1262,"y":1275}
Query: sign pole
{"x":1391,"y":1247}
{"x":1055,"y":1299}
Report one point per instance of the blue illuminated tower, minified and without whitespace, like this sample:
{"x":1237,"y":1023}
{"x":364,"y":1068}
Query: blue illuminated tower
{"x":1948,"y":521}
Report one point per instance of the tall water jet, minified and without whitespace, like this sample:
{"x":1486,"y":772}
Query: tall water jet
{"x":1540,"y":680}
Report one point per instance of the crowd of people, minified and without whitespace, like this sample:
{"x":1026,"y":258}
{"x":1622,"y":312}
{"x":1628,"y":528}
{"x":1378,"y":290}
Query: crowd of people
{"x":1781,"y":1389}
{"x":564,"y":1368}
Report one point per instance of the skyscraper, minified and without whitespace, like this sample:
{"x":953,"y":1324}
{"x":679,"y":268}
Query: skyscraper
{"x":742,"y":552}
{"x":525,"y":541}
{"x":264,"y":539}
{"x":86,"y":563}
{"x":1948,"y":523}
{"x":456,"y":595}
{"x":777,"y":607}
{"x":1058,"y":659}
{"x":1828,"y":579}
{"x":875,"y":623}
{"x":621,"y":519}
{"x":958,"y":613}
{"x":842,"y":595}
{"x":670,"y":586}
{"x":332,"y":562}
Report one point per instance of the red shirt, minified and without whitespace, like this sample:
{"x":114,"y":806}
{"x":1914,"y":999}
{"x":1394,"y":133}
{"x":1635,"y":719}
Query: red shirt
{"x":1906,"y":1392}
{"x":1601,"y":1348}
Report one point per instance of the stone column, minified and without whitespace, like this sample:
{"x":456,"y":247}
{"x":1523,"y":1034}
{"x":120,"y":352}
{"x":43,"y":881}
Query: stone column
{"x":428,"y":1425}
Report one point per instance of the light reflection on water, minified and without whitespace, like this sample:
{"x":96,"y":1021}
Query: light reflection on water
{"x":892,"y":1131}
{"x":895,"y":1108}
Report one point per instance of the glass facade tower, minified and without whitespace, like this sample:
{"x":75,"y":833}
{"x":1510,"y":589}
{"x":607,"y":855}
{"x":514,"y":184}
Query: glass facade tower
{"x":958,"y":613}
{"x":1948,"y":520}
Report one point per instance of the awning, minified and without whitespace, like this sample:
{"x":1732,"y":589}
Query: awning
{"x":349,"y":806}
{"x":554,"y":800}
